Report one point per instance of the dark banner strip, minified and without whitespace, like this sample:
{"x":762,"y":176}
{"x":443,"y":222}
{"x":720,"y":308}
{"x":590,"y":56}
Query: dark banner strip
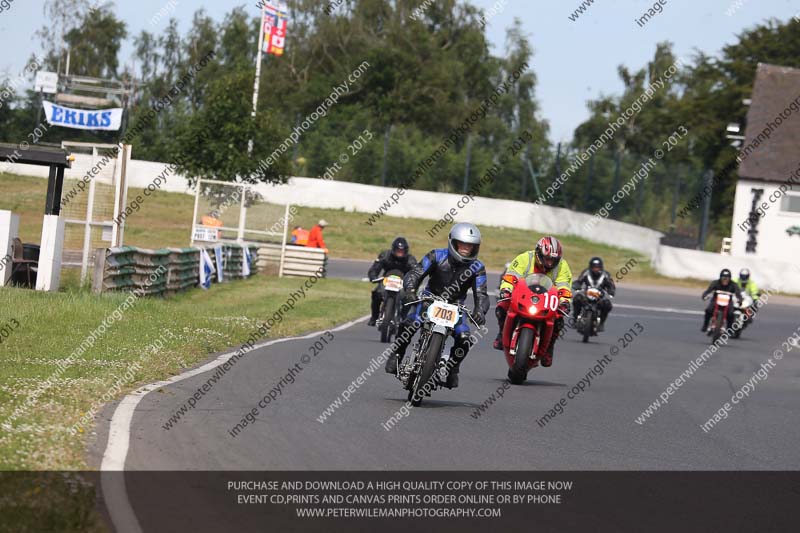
{"x":396,"y":501}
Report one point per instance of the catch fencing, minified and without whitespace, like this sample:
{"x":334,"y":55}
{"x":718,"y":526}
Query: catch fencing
{"x":166,"y":271}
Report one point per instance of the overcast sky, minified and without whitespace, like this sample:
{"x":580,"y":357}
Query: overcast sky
{"x":574,"y":60}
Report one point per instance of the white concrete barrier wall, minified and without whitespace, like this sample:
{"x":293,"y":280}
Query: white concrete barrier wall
{"x":482,"y":211}
{"x":428,"y":205}
{"x":356,"y":197}
{"x":140,"y":173}
{"x":681,"y":263}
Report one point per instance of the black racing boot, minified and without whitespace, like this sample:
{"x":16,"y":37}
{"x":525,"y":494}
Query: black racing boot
{"x":375,"y":309}
{"x":391,"y":363}
{"x":452,"y":375}
{"x":501,"y":323}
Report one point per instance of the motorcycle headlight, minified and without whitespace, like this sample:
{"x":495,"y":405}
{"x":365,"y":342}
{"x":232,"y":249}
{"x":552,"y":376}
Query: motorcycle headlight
{"x":533,"y":310}
{"x":535,"y":299}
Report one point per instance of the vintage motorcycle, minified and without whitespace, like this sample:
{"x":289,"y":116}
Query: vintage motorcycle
{"x":722,"y":299}
{"x":391,"y":314}
{"x":427,"y":368}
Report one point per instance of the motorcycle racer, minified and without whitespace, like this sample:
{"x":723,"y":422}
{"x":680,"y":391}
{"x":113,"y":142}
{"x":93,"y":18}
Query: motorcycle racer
{"x":724,"y":284}
{"x":451,"y":273}
{"x":745,"y":283}
{"x":749,"y":286}
{"x":547,"y":259}
{"x":398,"y":257}
{"x":595,"y":277}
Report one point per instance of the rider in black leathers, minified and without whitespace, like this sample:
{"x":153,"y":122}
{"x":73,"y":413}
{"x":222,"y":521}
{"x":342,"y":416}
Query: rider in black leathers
{"x":595,"y":277}
{"x":451,"y":272}
{"x":726,"y":284}
{"x":396,"y":258}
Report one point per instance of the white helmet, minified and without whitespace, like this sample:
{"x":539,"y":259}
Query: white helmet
{"x":464,"y":232}
{"x":744,"y":275}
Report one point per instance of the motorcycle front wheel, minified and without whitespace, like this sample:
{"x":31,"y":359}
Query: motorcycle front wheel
{"x":717,"y":327}
{"x":583,"y":325}
{"x":588,"y":326}
{"x":518,"y":373}
{"x":388,"y":320}
{"x":431,"y":355}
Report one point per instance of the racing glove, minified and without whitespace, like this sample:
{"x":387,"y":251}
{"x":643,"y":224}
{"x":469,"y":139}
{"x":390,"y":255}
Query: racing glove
{"x":505,"y":293}
{"x":480,"y":319}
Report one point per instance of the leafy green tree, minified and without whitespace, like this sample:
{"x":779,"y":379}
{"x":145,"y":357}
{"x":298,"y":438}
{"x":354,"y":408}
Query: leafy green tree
{"x":213,"y":142}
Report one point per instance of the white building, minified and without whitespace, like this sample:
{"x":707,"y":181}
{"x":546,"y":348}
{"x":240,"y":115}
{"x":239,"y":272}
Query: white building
{"x":766,"y":210}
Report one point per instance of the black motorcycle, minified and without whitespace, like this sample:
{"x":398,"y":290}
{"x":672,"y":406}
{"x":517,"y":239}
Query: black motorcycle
{"x":427,"y":368}
{"x":589,"y":317}
{"x":391,"y":314}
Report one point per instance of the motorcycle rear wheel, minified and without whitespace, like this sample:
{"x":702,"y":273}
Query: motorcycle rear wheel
{"x":518,"y":373}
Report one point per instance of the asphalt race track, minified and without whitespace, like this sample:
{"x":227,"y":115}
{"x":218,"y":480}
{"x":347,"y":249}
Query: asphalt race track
{"x":596,"y":431}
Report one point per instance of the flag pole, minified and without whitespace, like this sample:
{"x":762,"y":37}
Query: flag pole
{"x":258,"y":74}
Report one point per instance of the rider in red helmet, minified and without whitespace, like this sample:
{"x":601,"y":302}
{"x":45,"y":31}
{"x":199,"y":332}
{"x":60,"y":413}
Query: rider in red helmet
{"x":546,"y":258}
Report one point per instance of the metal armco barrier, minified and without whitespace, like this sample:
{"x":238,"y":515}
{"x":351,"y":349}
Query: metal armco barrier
{"x":297,"y":260}
{"x":129,"y":268}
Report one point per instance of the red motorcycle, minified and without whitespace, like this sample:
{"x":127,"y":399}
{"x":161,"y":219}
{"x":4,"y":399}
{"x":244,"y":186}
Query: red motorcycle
{"x":532,"y":312}
{"x":722,"y":299}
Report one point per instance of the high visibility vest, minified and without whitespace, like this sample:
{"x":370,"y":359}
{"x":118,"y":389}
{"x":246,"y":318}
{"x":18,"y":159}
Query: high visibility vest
{"x":208,"y":220}
{"x":300,"y":236}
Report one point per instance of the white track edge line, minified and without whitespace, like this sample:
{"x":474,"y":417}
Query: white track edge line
{"x":660,"y":309}
{"x":116,"y":452}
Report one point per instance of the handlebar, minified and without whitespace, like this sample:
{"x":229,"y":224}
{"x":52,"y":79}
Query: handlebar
{"x":429,"y":297}
{"x":377,"y":280}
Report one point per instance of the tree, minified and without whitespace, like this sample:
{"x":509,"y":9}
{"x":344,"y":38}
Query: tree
{"x":213,"y":143}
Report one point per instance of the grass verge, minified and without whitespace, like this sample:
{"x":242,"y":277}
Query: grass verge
{"x":154,"y":339}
